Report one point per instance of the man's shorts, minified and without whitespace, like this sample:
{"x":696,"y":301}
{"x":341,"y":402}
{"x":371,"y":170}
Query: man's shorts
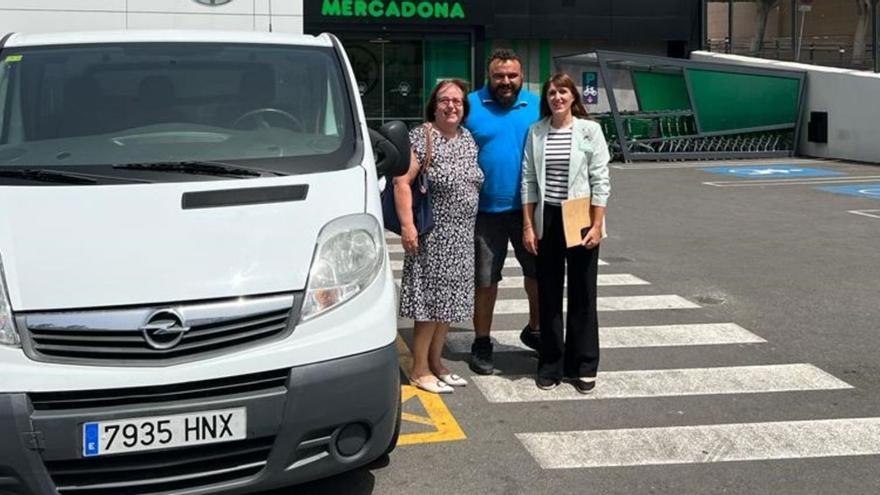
{"x":493,"y":231}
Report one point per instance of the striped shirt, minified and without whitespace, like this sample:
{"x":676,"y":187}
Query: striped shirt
{"x":557,"y":150}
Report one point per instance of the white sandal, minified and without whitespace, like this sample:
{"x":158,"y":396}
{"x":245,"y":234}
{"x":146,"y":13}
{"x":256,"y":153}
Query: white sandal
{"x":452,"y":380}
{"x":438,"y":387}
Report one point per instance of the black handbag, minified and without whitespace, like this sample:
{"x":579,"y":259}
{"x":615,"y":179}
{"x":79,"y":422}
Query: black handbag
{"x":423,"y":214}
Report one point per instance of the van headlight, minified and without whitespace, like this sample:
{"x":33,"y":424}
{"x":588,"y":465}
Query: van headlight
{"x":8,"y":334}
{"x":347,"y":259}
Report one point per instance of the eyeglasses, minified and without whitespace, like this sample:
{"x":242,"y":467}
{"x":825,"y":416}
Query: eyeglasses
{"x":446,"y":101}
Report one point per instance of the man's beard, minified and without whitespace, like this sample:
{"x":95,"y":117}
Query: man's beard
{"x":504,"y":100}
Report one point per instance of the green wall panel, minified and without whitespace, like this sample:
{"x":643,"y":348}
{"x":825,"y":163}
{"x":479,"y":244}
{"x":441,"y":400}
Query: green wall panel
{"x":659,"y":92}
{"x":446,"y":59}
{"x":728,"y":101}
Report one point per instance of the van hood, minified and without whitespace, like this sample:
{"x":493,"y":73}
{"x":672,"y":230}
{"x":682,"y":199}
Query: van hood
{"x":66,"y":247}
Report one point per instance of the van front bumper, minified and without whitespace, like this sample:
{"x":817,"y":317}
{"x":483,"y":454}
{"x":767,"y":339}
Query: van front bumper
{"x":304,"y":423}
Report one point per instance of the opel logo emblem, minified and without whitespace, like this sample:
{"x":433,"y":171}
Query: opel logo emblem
{"x":213,"y":3}
{"x":164,"y":329}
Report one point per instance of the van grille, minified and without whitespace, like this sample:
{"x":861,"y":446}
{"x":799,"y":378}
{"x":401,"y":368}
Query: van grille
{"x":161,"y":471}
{"x":116,"y":337}
{"x":141,"y":396}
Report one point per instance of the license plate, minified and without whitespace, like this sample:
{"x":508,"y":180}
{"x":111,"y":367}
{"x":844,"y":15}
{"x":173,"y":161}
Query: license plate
{"x":163,"y":432}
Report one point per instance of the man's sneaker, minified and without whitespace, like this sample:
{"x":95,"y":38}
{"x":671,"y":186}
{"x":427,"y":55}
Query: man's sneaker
{"x":545,"y":383}
{"x":530,"y":338}
{"x":481,"y":357}
{"x":585,"y":385}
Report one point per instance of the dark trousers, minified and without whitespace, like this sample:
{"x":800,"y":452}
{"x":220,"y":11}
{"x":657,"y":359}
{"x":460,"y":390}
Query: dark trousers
{"x":574,"y":353}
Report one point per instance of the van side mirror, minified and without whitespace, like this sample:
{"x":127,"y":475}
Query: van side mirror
{"x":391,"y":148}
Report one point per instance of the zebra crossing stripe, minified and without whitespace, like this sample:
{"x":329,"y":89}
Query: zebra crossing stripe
{"x":509,"y":262}
{"x":666,"y":383}
{"x":394,"y":248}
{"x":604,"y":280}
{"x":620,"y":303}
{"x":704,"y":443}
{"x":627,"y":337}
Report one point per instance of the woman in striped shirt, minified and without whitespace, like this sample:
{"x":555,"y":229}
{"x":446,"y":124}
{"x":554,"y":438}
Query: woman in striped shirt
{"x":566,"y":157}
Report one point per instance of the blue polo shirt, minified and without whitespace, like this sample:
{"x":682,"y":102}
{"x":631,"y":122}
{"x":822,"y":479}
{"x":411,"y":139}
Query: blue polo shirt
{"x":501,"y":135}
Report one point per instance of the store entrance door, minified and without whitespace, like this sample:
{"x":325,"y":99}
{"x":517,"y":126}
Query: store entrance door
{"x":390,"y":79}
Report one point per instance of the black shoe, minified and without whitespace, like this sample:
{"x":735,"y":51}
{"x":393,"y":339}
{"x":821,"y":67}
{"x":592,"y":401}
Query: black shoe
{"x":481,"y":357}
{"x":530,"y":338}
{"x":545,"y":383}
{"x":583,"y":386}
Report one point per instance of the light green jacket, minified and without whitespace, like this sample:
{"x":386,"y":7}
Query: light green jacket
{"x":587,"y":172}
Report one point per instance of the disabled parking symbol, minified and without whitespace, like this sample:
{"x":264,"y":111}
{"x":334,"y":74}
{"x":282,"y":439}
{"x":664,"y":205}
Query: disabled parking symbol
{"x":772,"y":172}
{"x":871,"y":191}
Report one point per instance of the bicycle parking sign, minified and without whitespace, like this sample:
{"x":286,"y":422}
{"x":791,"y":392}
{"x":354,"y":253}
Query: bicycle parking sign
{"x":590,"y":82}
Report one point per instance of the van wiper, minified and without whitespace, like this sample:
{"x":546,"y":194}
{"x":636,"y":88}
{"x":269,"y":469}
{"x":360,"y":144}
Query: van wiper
{"x":45,"y":175}
{"x":198,"y":167}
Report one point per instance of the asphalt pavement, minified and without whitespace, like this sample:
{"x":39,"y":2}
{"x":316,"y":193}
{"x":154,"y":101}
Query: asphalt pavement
{"x":740,"y":327}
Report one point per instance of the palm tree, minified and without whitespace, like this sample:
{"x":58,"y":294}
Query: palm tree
{"x":764,"y":7}
{"x":859,"y":44}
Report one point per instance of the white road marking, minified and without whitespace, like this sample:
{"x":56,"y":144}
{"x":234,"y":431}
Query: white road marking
{"x":509,"y":262}
{"x":667,"y":383}
{"x":703,"y":164}
{"x":622,"y":303}
{"x":704,"y":443}
{"x":866,"y":213}
{"x":394,"y":248}
{"x":794,"y":182}
{"x":604,"y":280}
{"x":627,"y":337}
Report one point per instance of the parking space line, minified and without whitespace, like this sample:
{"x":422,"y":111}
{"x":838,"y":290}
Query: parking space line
{"x":866,"y":213}
{"x":793,"y":182}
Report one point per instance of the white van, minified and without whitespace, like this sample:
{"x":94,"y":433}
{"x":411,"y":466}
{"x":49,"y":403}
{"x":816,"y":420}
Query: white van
{"x":195,"y":294}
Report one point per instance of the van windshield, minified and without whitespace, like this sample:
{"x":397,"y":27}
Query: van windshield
{"x":275,"y":107}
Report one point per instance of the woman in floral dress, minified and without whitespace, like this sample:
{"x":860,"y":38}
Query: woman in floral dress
{"x":437,"y":287}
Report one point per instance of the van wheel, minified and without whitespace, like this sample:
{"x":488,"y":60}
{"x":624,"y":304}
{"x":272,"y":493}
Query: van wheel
{"x":396,"y":434}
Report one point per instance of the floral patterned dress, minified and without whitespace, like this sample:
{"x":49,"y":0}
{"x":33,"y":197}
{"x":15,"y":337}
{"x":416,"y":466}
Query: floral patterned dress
{"x":438,"y":280}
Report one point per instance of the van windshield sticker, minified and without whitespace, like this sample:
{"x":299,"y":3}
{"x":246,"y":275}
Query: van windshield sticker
{"x":12,"y":58}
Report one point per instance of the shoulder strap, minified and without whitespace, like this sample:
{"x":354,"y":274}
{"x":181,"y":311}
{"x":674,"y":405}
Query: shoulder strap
{"x":429,"y":145}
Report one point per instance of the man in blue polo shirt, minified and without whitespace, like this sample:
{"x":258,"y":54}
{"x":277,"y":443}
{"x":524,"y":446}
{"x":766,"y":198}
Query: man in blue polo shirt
{"x":499,"y":120}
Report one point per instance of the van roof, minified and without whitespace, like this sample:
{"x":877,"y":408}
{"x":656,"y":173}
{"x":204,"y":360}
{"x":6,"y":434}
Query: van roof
{"x":166,"y":36}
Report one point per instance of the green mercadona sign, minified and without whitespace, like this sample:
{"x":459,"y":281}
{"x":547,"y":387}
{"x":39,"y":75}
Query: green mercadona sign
{"x":386,"y":9}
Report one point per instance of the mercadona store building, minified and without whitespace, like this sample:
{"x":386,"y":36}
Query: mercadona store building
{"x":400,"y":49}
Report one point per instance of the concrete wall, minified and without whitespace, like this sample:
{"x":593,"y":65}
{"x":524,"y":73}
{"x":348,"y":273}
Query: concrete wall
{"x":850,"y":97}
{"x":81,"y":15}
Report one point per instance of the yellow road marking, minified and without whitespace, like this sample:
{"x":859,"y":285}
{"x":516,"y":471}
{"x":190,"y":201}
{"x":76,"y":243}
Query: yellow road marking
{"x":415,"y":418}
{"x":447,"y":429}
{"x":439,"y":416}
